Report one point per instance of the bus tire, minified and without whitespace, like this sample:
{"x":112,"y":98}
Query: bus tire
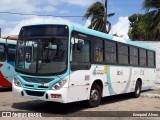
{"x":95,"y":96}
{"x":137,"y":91}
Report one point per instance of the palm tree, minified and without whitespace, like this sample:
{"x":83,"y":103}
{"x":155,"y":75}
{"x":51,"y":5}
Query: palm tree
{"x":98,"y":17}
{"x":152,"y":18}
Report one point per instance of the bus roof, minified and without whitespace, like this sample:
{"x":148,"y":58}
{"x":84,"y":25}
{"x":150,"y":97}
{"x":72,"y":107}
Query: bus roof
{"x":99,"y":34}
{"x":111,"y":37}
{"x":13,"y":42}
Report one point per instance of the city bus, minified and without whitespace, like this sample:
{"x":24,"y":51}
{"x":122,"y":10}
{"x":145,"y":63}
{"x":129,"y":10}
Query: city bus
{"x":67,"y":63}
{"x":7,"y":61}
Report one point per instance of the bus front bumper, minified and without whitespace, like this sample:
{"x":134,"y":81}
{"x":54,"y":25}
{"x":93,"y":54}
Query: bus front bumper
{"x":49,"y":95}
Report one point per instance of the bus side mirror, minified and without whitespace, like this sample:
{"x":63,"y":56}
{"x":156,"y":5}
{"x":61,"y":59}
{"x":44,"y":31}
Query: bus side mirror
{"x":80,"y":44}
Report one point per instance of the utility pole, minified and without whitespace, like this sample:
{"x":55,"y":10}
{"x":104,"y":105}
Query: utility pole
{"x":105,"y":15}
{"x":106,"y":4}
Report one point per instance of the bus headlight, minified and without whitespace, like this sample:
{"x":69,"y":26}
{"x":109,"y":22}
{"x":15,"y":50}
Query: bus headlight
{"x":16,"y":82}
{"x":59,"y":84}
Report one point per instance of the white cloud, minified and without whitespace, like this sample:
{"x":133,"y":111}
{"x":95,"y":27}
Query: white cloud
{"x":121,"y":27}
{"x":2,"y":22}
{"x":18,"y":6}
{"x":73,"y":2}
{"x":48,"y":9}
{"x":88,"y":22}
{"x":29,"y":6}
{"x":80,"y":2}
{"x":6,"y":31}
{"x":63,"y":11}
{"x":34,"y":20}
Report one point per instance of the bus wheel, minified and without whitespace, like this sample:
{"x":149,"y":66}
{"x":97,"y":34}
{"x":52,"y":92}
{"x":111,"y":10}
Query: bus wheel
{"x":95,"y":96}
{"x":137,"y":91}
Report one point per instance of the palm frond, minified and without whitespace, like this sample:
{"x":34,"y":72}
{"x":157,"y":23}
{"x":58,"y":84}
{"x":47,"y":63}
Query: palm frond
{"x":97,"y":14}
{"x":151,"y":4}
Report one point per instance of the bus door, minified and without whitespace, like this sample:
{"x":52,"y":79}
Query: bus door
{"x":80,"y":65}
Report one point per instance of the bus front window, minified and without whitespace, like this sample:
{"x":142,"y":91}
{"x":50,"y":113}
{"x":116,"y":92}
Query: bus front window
{"x":42,"y":55}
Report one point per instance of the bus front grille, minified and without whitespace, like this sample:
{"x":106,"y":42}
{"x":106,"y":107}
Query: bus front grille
{"x":34,"y":93}
{"x":37,"y":80}
{"x":38,"y":86}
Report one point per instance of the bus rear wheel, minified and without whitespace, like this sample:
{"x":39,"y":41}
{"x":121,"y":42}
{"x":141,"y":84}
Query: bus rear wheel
{"x":137,"y":91}
{"x":95,"y":96}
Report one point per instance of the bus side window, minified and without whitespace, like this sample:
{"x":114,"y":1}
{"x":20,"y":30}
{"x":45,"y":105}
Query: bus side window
{"x":2,"y":53}
{"x":110,"y":52}
{"x":80,"y":50}
{"x":142,"y":57}
{"x":98,"y":51}
{"x":151,"y":58}
{"x":11,"y":53}
{"x":122,"y":54}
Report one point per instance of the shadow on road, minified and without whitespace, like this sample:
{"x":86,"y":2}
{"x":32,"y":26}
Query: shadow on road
{"x":5,"y":89}
{"x":64,"y":109}
{"x":116,"y":98}
{"x":50,"y":107}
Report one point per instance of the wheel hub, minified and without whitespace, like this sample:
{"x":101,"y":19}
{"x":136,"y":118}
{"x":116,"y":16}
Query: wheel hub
{"x":94,"y":95}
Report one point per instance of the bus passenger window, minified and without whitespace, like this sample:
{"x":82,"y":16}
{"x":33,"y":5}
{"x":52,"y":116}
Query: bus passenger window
{"x":11,"y":53}
{"x":142,"y":54}
{"x":133,"y":55}
{"x":2,"y":53}
{"x":98,"y":51}
{"x":122,"y":54}
{"x":110,"y":52}
{"x":151,"y":58}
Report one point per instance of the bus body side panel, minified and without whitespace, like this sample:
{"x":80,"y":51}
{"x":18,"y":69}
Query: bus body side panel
{"x":122,"y":75}
{"x":110,"y":81}
{"x":127,"y":76}
{"x":7,"y":71}
{"x":81,"y":82}
{"x":6,"y":74}
{"x":78,"y":88}
{"x":150,"y":78}
{"x":115,"y":80}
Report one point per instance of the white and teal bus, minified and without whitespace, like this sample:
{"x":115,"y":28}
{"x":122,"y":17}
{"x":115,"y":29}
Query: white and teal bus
{"x":67,"y":63}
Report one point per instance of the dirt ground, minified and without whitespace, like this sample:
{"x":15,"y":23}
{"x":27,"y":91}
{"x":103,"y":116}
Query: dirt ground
{"x":121,"y":103}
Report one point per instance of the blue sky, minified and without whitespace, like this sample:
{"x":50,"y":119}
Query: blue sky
{"x":11,"y":24}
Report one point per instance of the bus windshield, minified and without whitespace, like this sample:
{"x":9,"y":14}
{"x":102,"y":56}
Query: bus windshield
{"x":41,"y":55}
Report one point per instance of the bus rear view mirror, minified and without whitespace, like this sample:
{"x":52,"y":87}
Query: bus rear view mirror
{"x":80,"y":44}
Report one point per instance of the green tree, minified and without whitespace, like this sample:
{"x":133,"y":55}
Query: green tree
{"x":98,"y":16}
{"x":152,"y":17}
{"x":137,"y":30}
